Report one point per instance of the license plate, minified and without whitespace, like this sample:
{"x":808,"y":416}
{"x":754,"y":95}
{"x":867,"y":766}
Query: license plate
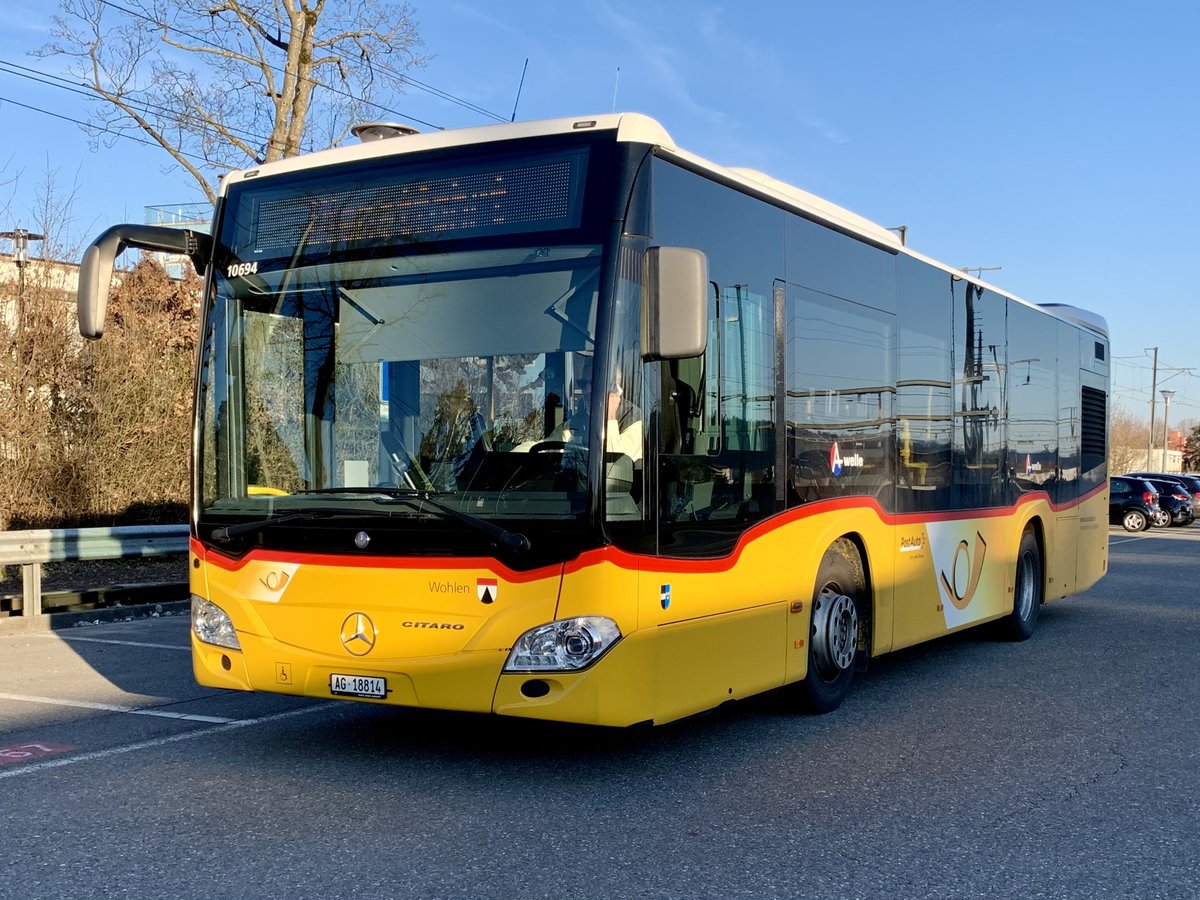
{"x":358,"y":686}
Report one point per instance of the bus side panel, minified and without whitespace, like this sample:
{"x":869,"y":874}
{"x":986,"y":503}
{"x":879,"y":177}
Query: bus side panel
{"x":752,"y":607}
{"x":703,"y":663}
{"x":957,"y":572}
{"x":659,"y":674}
{"x":1061,"y":565}
{"x":1092,"y":558}
{"x":918,"y":603}
{"x":707,"y":631}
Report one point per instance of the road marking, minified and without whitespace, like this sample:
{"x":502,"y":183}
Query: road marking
{"x":1119,"y":538}
{"x":112,"y":707}
{"x":158,"y":742}
{"x":1127,"y":540}
{"x":20,"y":753}
{"x":1177,"y":533}
{"x":73,"y":639}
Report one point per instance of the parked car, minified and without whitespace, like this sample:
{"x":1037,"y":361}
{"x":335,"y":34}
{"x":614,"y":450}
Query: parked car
{"x":1132,"y":502}
{"x":1174,"y":503}
{"x":1192,"y":482}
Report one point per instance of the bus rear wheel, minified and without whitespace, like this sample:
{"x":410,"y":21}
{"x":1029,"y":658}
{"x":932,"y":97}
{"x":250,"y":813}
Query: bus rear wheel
{"x":837,"y":626}
{"x":1027,"y":590}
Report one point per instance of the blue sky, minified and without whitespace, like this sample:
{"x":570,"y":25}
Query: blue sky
{"x":1055,"y":140}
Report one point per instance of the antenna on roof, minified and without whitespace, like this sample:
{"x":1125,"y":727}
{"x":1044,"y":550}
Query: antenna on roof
{"x":519,"y":86}
{"x":979,"y":270}
{"x":616,"y":84}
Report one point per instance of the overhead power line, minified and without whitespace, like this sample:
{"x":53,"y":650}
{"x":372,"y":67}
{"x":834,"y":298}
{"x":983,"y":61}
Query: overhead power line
{"x":120,"y":134}
{"x":438,"y":92}
{"x":89,"y":93}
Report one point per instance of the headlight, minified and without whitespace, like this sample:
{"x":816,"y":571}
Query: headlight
{"x":563,"y":646}
{"x":212,"y":624}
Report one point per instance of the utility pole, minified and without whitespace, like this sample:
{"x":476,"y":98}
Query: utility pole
{"x":20,"y":239}
{"x":1153,"y":388}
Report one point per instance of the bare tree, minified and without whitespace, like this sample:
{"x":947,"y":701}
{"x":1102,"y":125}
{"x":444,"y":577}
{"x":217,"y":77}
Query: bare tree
{"x":1126,"y":441}
{"x":92,"y":433}
{"x":8,"y":186}
{"x":222,"y":84}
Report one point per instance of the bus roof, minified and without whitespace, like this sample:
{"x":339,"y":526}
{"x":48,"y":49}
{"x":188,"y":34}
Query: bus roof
{"x":639,"y":128}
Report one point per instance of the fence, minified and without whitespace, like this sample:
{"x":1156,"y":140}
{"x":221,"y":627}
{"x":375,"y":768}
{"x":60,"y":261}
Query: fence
{"x":31,"y":549}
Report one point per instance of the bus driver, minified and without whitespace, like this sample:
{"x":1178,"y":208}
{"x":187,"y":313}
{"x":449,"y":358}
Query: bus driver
{"x":623,"y":428}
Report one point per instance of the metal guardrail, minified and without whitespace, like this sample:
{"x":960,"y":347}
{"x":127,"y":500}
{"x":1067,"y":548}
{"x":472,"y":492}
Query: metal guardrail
{"x":30,"y":549}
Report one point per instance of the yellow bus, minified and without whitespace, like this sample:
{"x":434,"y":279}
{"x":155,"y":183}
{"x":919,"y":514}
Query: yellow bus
{"x":558,"y":420}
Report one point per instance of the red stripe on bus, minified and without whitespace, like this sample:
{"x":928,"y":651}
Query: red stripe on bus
{"x":633,"y":561}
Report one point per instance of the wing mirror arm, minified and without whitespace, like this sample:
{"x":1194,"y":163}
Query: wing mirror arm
{"x":96,"y":266}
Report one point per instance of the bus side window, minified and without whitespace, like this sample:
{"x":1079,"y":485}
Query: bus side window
{"x":686,"y":478}
{"x":681,"y":409}
{"x":717,"y":462}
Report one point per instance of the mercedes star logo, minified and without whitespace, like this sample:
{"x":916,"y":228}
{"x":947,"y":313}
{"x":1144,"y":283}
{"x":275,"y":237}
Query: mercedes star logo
{"x":358,"y":634}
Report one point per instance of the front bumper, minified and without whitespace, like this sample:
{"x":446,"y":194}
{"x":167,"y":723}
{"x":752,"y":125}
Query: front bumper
{"x":612,"y":692}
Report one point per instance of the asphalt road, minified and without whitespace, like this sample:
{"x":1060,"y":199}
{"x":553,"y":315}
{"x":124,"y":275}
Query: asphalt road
{"x":1066,"y":766}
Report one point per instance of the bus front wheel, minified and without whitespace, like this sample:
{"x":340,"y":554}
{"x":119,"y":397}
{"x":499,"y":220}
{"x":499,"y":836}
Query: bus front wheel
{"x":837,"y":626}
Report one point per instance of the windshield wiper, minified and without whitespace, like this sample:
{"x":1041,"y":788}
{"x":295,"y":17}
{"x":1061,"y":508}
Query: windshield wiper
{"x":225,"y":533}
{"x":418,"y":500}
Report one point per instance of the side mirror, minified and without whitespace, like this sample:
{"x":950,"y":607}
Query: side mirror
{"x":96,"y":267}
{"x":95,"y":279}
{"x":675,"y":303}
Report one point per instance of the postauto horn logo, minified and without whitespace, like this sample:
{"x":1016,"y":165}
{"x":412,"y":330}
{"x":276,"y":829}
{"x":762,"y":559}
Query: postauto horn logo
{"x":837,"y":462}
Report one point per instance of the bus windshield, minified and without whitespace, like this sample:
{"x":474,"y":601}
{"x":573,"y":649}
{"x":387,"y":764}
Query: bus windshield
{"x":463,"y":376}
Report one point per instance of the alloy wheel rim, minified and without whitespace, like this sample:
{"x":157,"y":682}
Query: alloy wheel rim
{"x":835,"y":632}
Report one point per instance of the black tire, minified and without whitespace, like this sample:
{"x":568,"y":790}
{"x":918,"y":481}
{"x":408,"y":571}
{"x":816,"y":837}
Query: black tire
{"x":1134,"y":520}
{"x":1160,"y":518}
{"x":838,"y":626}
{"x":1028,"y":590}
